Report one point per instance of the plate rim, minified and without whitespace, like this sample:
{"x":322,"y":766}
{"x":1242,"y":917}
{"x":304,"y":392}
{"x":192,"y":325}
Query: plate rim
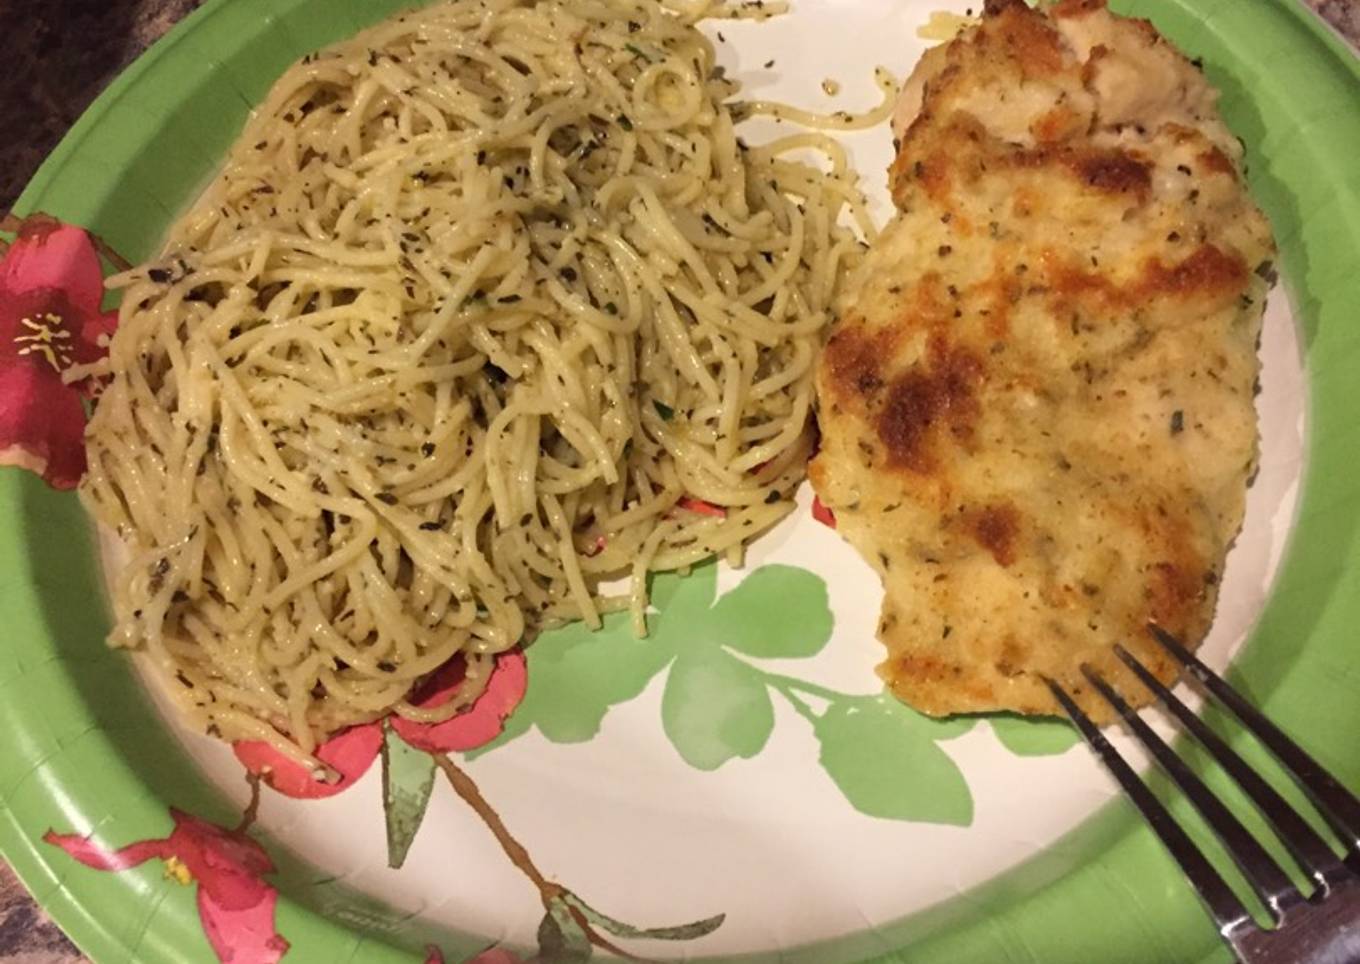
{"x":91,"y":922}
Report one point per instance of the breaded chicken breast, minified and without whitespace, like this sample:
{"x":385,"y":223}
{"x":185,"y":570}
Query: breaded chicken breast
{"x":1037,"y":412}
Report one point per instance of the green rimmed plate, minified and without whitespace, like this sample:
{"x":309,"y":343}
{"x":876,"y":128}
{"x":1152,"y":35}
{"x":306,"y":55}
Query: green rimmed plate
{"x":825,"y":823}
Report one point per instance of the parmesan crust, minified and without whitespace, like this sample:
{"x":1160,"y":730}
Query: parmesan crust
{"x":1037,"y":410}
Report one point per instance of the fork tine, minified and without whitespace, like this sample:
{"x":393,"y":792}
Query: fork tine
{"x":1223,"y":906}
{"x":1337,"y":804}
{"x":1269,"y":881}
{"x":1307,"y":847}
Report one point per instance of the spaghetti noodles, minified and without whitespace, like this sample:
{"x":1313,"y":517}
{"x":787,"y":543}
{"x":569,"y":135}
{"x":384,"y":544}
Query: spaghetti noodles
{"x":489,"y":308}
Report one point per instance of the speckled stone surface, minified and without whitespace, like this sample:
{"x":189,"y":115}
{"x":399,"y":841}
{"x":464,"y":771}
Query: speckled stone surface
{"x":58,"y":56}
{"x":26,"y":935}
{"x":1344,"y":15}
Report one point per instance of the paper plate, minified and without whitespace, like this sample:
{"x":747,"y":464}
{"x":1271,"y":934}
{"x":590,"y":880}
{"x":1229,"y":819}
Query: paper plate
{"x":742,"y":761}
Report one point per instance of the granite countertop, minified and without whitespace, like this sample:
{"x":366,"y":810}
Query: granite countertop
{"x":26,"y":935}
{"x":58,"y":55}
{"x":1344,"y":15}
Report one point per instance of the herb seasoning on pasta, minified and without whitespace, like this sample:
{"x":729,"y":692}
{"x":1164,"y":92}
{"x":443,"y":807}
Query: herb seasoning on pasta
{"x":489,"y":314}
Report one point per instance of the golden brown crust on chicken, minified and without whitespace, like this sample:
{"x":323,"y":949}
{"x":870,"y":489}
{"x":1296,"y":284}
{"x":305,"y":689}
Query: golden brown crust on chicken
{"x":1037,"y":412}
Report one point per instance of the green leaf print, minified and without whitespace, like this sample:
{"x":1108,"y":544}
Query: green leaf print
{"x":560,"y":938}
{"x":1034,"y":736}
{"x":717,"y":703}
{"x":884,"y":758}
{"x":715,"y":708}
{"x":683,"y":608}
{"x":408,"y":778}
{"x":677,"y":932}
{"x":576,"y":675}
{"x":776,"y":612}
{"x":669,"y":591}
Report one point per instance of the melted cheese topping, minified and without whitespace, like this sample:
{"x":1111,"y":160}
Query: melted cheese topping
{"x":1037,"y":413}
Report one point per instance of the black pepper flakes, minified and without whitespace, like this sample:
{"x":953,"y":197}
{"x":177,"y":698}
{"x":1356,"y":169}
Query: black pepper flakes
{"x":773,"y":497}
{"x":1177,"y":422}
{"x":427,"y":449}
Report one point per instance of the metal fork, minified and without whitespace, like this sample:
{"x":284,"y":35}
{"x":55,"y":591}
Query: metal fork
{"x":1322,"y":927}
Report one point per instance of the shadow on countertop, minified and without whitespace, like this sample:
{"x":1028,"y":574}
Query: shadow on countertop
{"x":58,"y":56}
